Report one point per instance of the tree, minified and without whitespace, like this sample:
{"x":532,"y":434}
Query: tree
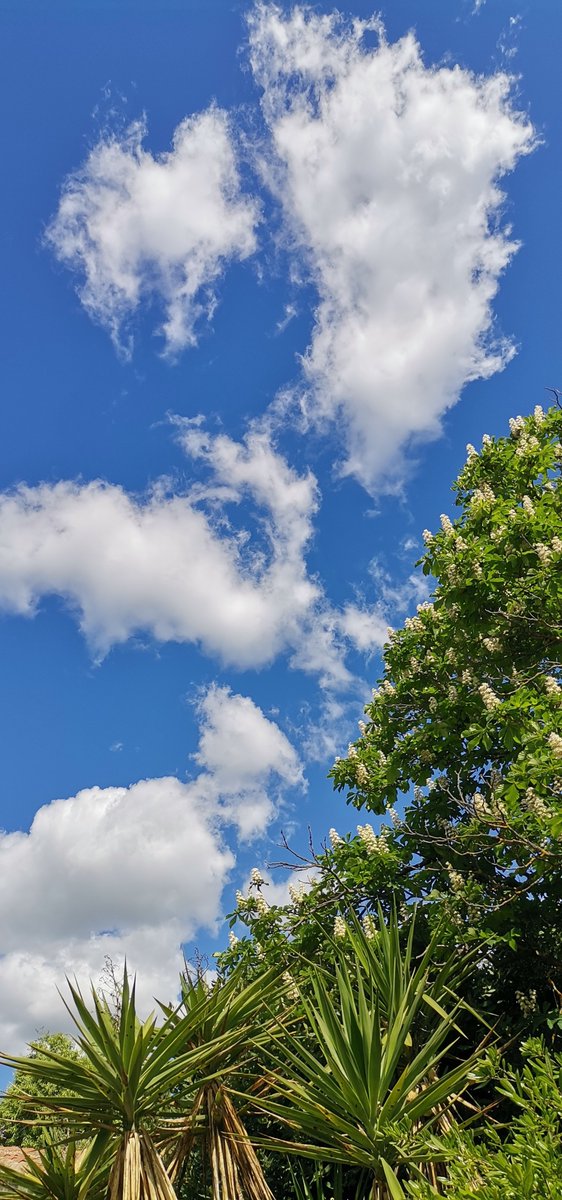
{"x":466,"y":725}
{"x":15,"y":1128}
{"x":469,"y":713}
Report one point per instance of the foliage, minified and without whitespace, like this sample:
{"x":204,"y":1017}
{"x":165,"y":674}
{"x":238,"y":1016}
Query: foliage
{"x":14,"y":1127}
{"x":370,"y":1089}
{"x":56,"y":1174}
{"x":467,"y":725}
{"x":524,"y":1161}
{"x":332,"y":1034}
{"x":139,"y":1094}
{"x":210,"y":1126}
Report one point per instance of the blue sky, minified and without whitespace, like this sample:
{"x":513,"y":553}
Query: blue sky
{"x":262,"y":286}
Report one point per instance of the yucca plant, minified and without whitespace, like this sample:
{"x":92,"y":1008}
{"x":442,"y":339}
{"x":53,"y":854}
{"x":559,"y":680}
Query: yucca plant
{"x":211,"y":1119}
{"x":56,"y":1173}
{"x":371,"y":1089}
{"x":118,"y":1095}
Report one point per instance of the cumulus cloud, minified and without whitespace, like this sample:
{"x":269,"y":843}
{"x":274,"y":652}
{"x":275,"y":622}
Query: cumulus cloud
{"x":134,"y":226}
{"x":387,"y":172}
{"x":223,"y":565}
{"x":164,"y":565}
{"x":134,"y":872}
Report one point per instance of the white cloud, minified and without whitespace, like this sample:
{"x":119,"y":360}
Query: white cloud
{"x":387,"y":174}
{"x":177,"y":568}
{"x":163,"y":565}
{"x":136,"y":226}
{"x":366,"y":628}
{"x":133,"y":871}
{"x":239,"y":744}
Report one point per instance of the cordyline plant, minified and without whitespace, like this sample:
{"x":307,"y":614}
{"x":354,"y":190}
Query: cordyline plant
{"x":120,"y":1097}
{"x":371,"y":1080}
{"x":210,"y":1121}
{"x":56,"y":1173}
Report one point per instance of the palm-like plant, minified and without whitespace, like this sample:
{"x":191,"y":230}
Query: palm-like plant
{"x":370,"y":1090}
{"x":210,"y":1118}
{"x":56,"y":1173}
{"x":119,"y":1094}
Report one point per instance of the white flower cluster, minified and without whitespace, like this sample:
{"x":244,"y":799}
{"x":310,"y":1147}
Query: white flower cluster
{"x":516,"y":425}
{"x":433,"y":704}
{"x":556,"y":545}
{"x":351,"y":751}
{"x":536,"y":805}
{"x":456,"y":879}
{"x":477,"y":569}
{"x":486,"y":439}
{"x":526,"y":444}
{"x":446,"y":524}
{"x":362,"y":728}
{"x":261,"y":904}
{"x":296,"y":892}
{"x":427,"y":537}
{"x":387,"y":688}
{"x":471,"y":451}
{"x":538,"y":414}
{"x":394,"y":818}
{"x":544,"y":553}
{"x":369,"y":927}
{"x":335,"y":839}
{"x":372,"y":843}
{"x":241,"y":899}
{"x":368,"y":837}
{"x":451,"y":693}
{"x":232,"y":939}
{"x":428,"y":608}
{"x":482,"y":495}
{"x":480,"y":806}
{"x":292,"y":989}
{"x":527,"y":1001}
{"x":552,"y":687}
{"x":498,"y":534}
{"x":492,"y":644}
{"x":467,"y":678}
{"x":528,"y":505}
{"x":489,"y":698}
{"x":256,"y":878}
{"x":414,"y":623}
{"x":450,"y":655}
{"x":340,"y":927}
{"x":362,"y":775}
{"x":555,"y":743}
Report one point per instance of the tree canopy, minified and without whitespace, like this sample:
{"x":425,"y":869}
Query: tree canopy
{"x":460,"y":753}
